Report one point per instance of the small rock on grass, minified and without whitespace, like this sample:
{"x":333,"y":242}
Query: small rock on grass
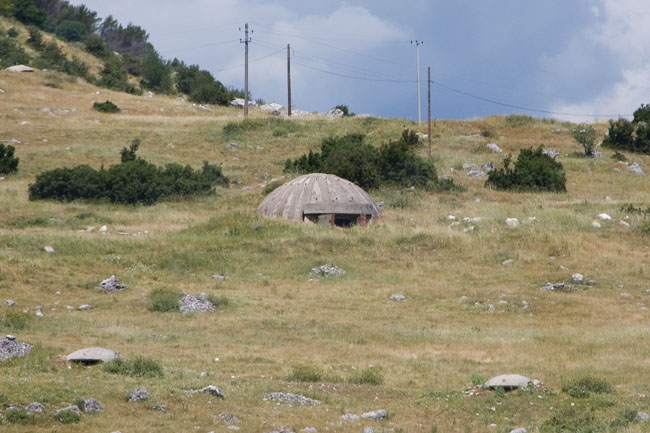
{"x":398,"y":298}
{"x":350,"y":417}
{"x":140,"y":394}
{"x":92,"y":405}
{"x":577,"y":278}
{"x":214,"y":390}
{"x":375,"y":414}
{"x":287,"y":397}
{"x":642,"y":417}
{"x":10,"y":348}
{"x":35,"y":407}
{"x":519,"y":430}
{"x":328,"y":270}
{"x":111,"y":284}
{"x":228,"y":418}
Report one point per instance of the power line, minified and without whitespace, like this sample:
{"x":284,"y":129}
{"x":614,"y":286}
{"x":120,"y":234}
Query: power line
{"x":251,"y":61}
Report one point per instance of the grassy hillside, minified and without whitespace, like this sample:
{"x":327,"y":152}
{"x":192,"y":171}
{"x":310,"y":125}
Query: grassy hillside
{"x":427,"y":349}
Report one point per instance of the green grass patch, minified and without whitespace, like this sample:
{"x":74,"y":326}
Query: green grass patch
{"x":106,"y":107}
{"x":138,"y":367}
{"x":19,"y":416}
{"x":585,"y":386}
{"x":367,"y":376}
{"x":305,"y":373}
{"x":164,"y":300}
{"x":14,"y":321}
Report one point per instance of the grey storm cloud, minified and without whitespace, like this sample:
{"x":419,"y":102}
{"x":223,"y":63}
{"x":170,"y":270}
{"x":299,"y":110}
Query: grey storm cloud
{"x":498,"y":57}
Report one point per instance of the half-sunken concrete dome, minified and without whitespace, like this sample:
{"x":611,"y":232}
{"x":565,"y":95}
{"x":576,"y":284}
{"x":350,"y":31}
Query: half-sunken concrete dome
{"x":321,"y":198}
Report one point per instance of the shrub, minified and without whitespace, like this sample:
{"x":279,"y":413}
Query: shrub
{"x":632,"y":136}
{"x":156,"y":75}
{"x":164,"y":300}
{"x":367,"y":376}
{"x":14,"y":320}
{"x":132,"y":181}
{"x":533,"y":171}
{"x":477,"y":379}
{"x":351,"y":158}
{"x":112,"y":74}
{"x":12,"y":53}
{"x":586,"y":136}
{"x":35,"y":38}
{"x":19,"y":416}
{"x":138,"y":367}
{"x":585,"y":386}
{"x":106,"y":107}
{"x":27,"y":12}
{"x":219,"y":301}
{"x":67,"y":417}
{"x":345,"y":109}
{"x":618,"y":156}
{"x":305,"y":373}
{"x":70,"y":30}
{"x":96,"y":46}
{"x":12,"y":32}
{"x":8,"y":162}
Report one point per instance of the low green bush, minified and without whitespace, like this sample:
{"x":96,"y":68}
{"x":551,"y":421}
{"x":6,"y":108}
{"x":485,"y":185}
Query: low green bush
{"x":8,"y":162}
{"x":164,"y":300}
{"x":533,"y":171}
{"x":219,"y":302}
{"x":632,"y":136}
{"x":367,"y":376}
{"x":351,"y":158}
{"x":477,"y":379}
{"x":138,"y":367}
{"x":14,"y":320}
{"x":106,"y":107}
{"x":132,"y":181}
{"x":585,"y":135}
{"x":19,"y":416}
{"x":585,"y":386}
{"x":305,"y":373}
{"x":67,"y":417}
{"x":12,"y":32}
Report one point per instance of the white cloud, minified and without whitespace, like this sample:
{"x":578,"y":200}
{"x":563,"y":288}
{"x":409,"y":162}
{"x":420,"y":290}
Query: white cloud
{"x":623,"y":31}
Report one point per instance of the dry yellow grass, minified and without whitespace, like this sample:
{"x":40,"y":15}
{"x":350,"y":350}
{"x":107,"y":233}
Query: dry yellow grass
{"x":427,"y":348}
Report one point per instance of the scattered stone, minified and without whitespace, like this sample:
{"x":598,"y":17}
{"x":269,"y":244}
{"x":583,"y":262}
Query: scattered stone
{"x":350,"y":417}
{"x":487,"y":167}
{"x":398,"y":298}
{"x":558,"y":287}
{"x":577,"y":278}
{"x":328,"y":271}
{"x":287,"y":397}
{"x":72,"y":408}
{"x":494,"y":147}
{"x":219,"y":277}
{"x":240,"y":102}
{"x":35,"y":407}
{"x":369,"y":430}
{"x":642,"y":417}
{"x":10,"y":348}
{"x":10,"y":302}
{"x":103,"y":229}
{"x":550,"y":152}
{"x":92,"y":355}
{"x":159,"y":408}
{"x":25,"y":123}
{"x":228,"y":418}
{"x":605,"y":217}
{"x":214,"y":390}
{"x":513,"y":223}
{"x":335,"y":113}
{"x":626,"y":295}
{"x":507,"y":262}
{"x":234,"y":427}
{"x":596,"y":224}
{"x":85,"y":307}
{"x":19,"y":68}
{"x":635,"y":168}
{"x":14,"y":141}
{"x":282,"y":430}
{"x":140,"y":394}
{"x":111,"y":284}
{"x":507,"y":382}
{"x":381,"y":204}
{"x":196,"y":304}
{"x":2,"y":92}
{"x":375,"y":414}
{"x":91,"y":405}
{"x":234,"y":145}
{"x":624,"y":224}
{"x":273,"y":108}
{"x":473,"y":170}
{"x":310,"y":430}
{"x":563,"y":268}
{"x":48,"y":249}
{"x":519,"y":430}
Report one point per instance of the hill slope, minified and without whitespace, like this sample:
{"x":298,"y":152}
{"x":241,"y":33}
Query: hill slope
{"x":464,"y":316}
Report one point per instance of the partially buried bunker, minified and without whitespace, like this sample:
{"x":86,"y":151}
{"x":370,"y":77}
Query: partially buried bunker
{"x":321,"y":198}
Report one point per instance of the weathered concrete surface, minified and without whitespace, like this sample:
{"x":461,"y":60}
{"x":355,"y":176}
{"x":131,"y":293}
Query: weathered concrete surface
{"x":317,"y":193}
{"x":93,"y":354}
{"x":508,"y":381}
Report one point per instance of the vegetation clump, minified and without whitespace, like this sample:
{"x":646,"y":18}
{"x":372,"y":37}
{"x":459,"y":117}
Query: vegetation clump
{"x":632,"y":136}
{"x":367,"y":376}
{"x":106,"y":107}
{"x":19,"y":416}
{"x":586,"y":136}
{"x":14,"y":320}
{"x":164,"y":300}
{"x":305,"y":373}
{"x":8,"y":162}
{"x":352,"y":158}
{"x":138,"y":367}
{"x":585,"y":386}
{"x":67,"y":417}
{"x":533,"y":171}
{"x":133,"y":181}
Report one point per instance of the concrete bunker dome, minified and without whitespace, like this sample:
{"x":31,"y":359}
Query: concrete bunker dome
{"x":320,"y":198}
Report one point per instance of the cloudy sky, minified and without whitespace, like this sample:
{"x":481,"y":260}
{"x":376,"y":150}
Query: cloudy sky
{"x":568,"y":59}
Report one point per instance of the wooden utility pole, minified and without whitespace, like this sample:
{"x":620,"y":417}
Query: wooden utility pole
{"x":417,"y":51}
{"x":289,"y":79}
{"x":245,"y":42}
{"x":429,"y":104}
